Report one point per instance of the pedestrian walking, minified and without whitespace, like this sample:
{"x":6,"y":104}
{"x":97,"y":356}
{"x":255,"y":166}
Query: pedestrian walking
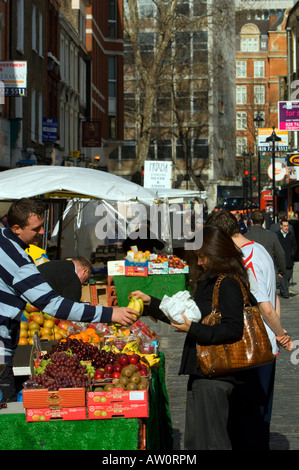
{"x":287,"y":240}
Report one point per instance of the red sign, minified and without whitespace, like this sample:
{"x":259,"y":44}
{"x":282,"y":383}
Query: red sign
{"x":91,"y":134}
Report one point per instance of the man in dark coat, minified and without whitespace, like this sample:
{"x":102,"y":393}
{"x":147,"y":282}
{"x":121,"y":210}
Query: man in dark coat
{"x":288,"y":242}
{"x":66,"y":277}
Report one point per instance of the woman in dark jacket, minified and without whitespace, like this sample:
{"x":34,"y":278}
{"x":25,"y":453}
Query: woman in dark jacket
{"x":209,"y":399}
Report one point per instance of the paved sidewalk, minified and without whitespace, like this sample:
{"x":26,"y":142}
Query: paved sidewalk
{"x":285,"y":417}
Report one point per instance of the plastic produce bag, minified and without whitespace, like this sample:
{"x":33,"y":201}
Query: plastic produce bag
{"x":180,"y":303}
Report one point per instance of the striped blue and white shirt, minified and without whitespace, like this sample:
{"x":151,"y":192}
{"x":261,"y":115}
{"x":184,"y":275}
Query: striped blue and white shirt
{"x":21,"y":282}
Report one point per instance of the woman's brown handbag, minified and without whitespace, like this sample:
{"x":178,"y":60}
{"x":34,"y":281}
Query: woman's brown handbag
{"x":254,"y":349}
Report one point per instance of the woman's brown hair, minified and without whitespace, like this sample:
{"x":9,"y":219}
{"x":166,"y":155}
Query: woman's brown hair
{"x":224,"y":257}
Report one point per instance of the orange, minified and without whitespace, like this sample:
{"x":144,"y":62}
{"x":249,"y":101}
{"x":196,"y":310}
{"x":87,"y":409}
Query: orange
{"x":23,"y":333}
{"x":90,"y":331}
{"x":23,"y":341}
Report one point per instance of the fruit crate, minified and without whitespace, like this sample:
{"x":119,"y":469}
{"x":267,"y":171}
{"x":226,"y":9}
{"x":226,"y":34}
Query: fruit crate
{"x":158,"y":268}
{"x":62,"y":398}
{"x":117,"y":395}
{"x":118,"y":410}
{"x":117,"y":402}
{"x":136,"y":269}
{"x":34,"y":415}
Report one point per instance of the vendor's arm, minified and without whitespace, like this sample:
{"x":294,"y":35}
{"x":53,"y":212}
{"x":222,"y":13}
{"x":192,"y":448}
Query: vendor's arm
{"x":32,"y":288}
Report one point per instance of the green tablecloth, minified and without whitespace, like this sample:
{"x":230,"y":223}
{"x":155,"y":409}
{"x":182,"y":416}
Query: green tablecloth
{"x":156,"y":285}
{"x":110,"y":434}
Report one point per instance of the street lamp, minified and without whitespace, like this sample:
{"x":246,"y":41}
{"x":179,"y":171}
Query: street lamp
{"x":273,"y":138}
{"x":259,"y":119}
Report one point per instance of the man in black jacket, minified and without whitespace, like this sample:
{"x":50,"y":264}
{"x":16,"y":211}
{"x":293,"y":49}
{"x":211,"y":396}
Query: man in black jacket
{"x":269,"y":241}
{"x":66,"y":277}
{"x":288,"y":242}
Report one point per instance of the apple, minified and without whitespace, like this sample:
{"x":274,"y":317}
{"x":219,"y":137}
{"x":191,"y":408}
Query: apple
{"x":133,"y":359}
{"x":143,"y":372}
{"x":37,"y":318}
{"x":107,"y":375}
{"x":48,"y":324}
{"x":117,"y":367}
{"x":116,"y":375}
{"x":99,"y":375}
{"x":108,"y":368}
{"x":123,"y":359}
{"x":63,"y":324}
{"x":31,"y":308}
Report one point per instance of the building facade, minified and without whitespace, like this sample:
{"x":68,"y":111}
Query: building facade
{"x":261,"y":64}
{"x":192,"y":118}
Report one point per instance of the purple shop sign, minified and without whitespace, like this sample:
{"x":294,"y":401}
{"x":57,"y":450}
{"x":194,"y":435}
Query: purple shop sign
{"x":288,"y":115}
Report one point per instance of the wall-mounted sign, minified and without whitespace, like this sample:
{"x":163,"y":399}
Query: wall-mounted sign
{"x":288,"y":115}
{"x":91,"y":133}
{"x":293,"y":160}
{"x":14,"y":76}
{"x":280,"y":171}
{"x":50,"y":130}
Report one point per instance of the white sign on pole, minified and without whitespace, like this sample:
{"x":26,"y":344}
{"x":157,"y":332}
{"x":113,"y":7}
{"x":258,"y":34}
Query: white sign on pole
{"x":157,"y":174}
{"x":265,"y":146}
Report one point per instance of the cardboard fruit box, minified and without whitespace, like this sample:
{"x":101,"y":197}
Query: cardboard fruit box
{"x":136,"y":269}
{"x":62,"y":398}
{"x":34,"y":415}
{"x":118,"y":410}
{"x":117,"y":395}
{"x":118,"y":403}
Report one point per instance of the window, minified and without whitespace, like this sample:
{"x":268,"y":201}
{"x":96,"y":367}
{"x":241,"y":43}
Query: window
{"x":241,"y":145}
{"x":146,"y":8}
{"x":241,"y":121}
{"x":112,"y":24}
{"x":259,"y":69}
{"x":20,"y":25}
{"x":241,"y":94}
{"x":250,"y":44}
{"x":241,"y":69}
{"x":40,"y":118}
{"x":33,"y":28}
{"x":40,"y":40}
{"x":33,"y":115}
{"x":259,"y":94}
{"x":112,"y":108}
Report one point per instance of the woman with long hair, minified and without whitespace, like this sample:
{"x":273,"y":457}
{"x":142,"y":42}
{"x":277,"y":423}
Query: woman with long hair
{"x":209,"y":399}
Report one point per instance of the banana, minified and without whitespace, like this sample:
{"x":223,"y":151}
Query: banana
{"x":137,"y":305}
{"x":141,"y":306}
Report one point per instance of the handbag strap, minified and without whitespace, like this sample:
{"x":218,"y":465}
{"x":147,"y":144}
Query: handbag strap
{"x":215,"y":299}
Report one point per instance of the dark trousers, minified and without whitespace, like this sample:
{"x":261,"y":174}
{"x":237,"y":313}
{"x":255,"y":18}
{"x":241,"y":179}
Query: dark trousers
{"x":285,"y":281}
{"x":207,"y":411}
{"x":7,"y":385}
{"x":252,"y":408}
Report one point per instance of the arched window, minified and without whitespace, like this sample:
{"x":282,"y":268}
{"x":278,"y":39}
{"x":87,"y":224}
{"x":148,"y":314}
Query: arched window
{"x":250,"y":38}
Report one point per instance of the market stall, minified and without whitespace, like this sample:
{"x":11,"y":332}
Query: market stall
{"x":151,"y":430}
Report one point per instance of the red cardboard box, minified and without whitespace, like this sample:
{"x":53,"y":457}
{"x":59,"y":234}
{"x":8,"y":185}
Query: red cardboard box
{"x":117,"y":395}
{"x":136,"y":269}
{"x":63,"y":398}
{"x":34,"y":415}
{"x":118,"y":410}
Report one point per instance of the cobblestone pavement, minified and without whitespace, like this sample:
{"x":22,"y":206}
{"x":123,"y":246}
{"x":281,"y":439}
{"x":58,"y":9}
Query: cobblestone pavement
{"x":285,"y":416}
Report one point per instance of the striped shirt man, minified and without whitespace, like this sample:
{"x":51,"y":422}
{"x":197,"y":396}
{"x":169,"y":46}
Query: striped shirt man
{"x":21,"y":282}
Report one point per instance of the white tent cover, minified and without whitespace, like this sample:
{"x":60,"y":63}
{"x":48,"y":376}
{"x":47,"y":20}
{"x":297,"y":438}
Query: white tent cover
{"x":40,"y":179}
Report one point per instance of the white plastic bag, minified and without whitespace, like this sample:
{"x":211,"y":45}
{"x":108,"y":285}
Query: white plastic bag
{"x":180,"y":303}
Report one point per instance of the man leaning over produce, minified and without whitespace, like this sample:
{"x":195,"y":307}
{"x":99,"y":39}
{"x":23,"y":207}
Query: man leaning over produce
{"x":21,"y":282}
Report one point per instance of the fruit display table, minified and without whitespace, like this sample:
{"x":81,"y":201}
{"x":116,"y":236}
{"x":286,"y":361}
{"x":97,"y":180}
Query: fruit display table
{"x":109,"y":434}
{"x":157,"y":285}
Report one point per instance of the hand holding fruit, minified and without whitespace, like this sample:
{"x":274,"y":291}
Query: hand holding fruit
{"x":137,"y":294}
{"x":137,"y":305}
{"x":123,"y":315}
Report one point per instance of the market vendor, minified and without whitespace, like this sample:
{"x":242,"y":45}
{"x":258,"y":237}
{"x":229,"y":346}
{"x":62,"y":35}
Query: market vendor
{"x":66,"y":277}
{"x":21,"y":283}
{"x":144,"y":239}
